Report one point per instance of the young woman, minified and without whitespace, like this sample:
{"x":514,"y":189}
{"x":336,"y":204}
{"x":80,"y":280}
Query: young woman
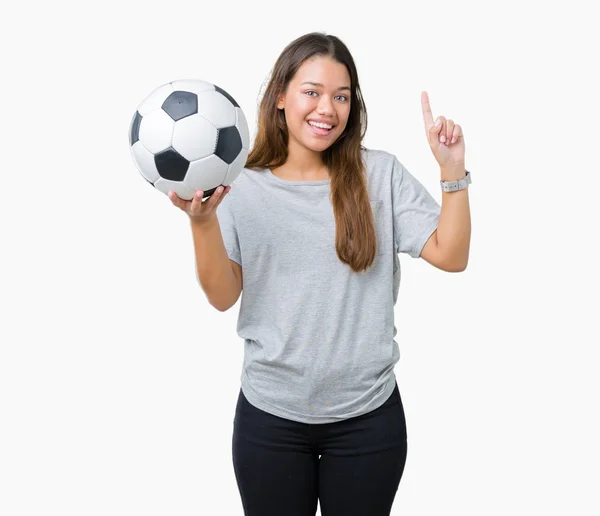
{"x":316,"y":222}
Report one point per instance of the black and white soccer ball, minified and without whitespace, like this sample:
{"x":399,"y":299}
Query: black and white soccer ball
{"x":189,"y":135}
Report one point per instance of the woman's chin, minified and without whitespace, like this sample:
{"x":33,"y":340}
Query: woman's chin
{"x":318,"y":146}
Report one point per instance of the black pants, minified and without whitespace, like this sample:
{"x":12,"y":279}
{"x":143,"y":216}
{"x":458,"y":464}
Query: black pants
{"x":279,"y":471}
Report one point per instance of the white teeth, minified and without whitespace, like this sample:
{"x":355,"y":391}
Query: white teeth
{"x":318,"y":124}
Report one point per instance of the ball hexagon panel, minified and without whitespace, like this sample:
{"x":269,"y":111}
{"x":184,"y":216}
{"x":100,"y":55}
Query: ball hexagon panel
{"x":229,"y":97}
{"x":144,"y":161}
{"x":217,"y":109}
{"x":179,"y":187}
{"x":195,"y":86}
{"x":235,"y":168}
{"x":156,"y":131}
{"x":155,"y":100}
{"x":204,"y":174}
{"x":242,"y":125}
{"x":229,"y":144}
{"x":194,"y":137}
{"x":180,"y":104}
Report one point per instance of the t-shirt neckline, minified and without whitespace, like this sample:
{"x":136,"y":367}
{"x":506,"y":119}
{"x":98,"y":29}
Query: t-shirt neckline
{"x":296,"y":183}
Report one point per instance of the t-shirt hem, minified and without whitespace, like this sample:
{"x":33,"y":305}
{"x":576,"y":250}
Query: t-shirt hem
{"x":425,"y":235}
{"x":383,"y":394}
{"x":234,"y":255}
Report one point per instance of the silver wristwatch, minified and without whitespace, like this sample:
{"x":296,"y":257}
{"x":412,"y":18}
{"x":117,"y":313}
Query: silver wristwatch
{"x":454,"y":186}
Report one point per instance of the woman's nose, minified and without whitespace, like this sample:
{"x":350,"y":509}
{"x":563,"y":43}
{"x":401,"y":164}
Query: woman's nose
{"x":325,"y":107}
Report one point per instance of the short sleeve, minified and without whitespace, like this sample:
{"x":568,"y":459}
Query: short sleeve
{"x":416,"y":212}
{"x":226,"y":217}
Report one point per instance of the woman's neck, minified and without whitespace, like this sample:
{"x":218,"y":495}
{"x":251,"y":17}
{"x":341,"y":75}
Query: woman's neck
{"x":289,"y":173}
{"x":302,"y":164}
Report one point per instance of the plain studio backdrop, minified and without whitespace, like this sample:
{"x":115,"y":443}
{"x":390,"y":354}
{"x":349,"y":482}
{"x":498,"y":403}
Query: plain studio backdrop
{"x":118,"y":380}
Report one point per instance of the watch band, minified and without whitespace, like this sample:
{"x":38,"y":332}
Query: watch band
{"x":454,"y":186}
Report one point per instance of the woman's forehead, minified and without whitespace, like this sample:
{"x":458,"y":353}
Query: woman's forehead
{"x":323,"y":71}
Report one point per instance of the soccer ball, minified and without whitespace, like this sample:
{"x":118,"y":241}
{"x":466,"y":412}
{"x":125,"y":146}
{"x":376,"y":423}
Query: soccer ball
{"x":189,"y":135}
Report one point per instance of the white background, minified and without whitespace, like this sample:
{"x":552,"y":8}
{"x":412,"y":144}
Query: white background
{"x":118,"y":381}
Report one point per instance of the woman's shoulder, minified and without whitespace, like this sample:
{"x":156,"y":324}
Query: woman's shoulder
{"x":378,"y":162}
{"x":245,"y":179}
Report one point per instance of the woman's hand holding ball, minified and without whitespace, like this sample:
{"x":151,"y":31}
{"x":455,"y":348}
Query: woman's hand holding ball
{"x":197,"y":209}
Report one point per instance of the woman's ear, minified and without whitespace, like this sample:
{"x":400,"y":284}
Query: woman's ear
{"x":280,"y":103}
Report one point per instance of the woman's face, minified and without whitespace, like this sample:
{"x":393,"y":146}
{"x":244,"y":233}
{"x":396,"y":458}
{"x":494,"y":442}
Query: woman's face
{"x":319,"y":92}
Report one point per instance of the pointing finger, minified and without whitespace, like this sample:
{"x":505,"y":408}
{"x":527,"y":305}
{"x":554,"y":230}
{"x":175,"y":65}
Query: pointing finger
{"x":427,"y":115}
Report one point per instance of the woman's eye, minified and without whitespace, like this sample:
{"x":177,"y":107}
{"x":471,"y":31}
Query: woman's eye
{"x":338,"y":96}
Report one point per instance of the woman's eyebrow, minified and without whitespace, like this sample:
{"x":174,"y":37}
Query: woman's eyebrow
{"x":319,"y":84}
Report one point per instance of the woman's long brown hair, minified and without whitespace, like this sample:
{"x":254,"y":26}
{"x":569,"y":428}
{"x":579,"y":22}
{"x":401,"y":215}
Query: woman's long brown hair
{"x":355,"y":240}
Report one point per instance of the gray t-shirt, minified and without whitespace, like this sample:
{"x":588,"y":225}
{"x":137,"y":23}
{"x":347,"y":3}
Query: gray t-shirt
{"x":319,"y":338}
